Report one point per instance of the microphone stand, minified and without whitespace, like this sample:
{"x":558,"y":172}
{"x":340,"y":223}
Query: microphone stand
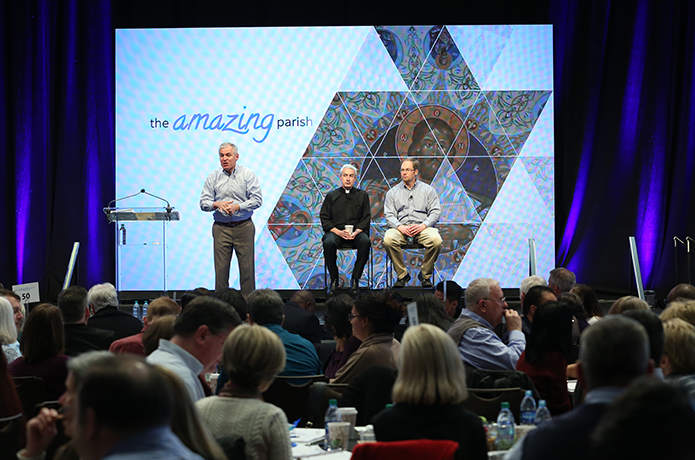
{"x":676,"y":240}
{"x":169,"y":208}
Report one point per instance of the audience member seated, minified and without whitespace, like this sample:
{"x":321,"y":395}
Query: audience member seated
{"x":186,"y":298}
{"x":42,"y":350}
{"x":253,"y":356}
{"x":529,"y":282}
{"x":10,"y":404}
{"x":300,"y":318}
{"x":449,"y":292}
{"x":479,"y":346}
{"x":548,"y":350}
{"x":651,"y":420}
{"x":579,"y":322}
{"x":374,"y":317}
{"x":627,"y":303}
{"x":655,"y":331}
{"x":17,"y":309}
{"x":430,"y":310}
{"x":234,"y":298}
{"x":163,"y":328}
{"x":79,"y":337}
{"x":592,"y":306}
{"x":561,"y":280}
{"x":535,"y":296}
{"x":683,"y":309}
{"x":369,"y":392}
{"x":427,"y":394}
{"x":8,"y":331}
{"x":683,"y":291}
{"x":196,"y":347}
{"x":338,"y":309}
{"x":104,"y":301}
{"x":678,"y":358}
{"x":124,"y":411}
{"x":186,"y":422}
{"x":159,"y":307}
{"x":265,"y":309}
{"x":615,"y":352}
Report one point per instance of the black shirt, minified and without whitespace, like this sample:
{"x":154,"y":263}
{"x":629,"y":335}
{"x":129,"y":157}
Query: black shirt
{"x":341,"y":208}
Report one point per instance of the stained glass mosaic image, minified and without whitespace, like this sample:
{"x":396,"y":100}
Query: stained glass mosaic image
{"x":467,"y":140}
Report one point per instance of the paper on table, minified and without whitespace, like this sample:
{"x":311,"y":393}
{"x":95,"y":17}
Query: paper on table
{"x":307,"y":435}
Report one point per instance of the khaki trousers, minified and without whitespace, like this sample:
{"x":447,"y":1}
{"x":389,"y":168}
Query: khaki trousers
{"x":429,"y":238}
{"x":237,"y":239}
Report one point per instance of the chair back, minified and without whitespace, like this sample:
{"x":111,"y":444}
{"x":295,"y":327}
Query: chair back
{"x":11,"y":436}
{"x":488,"y":401}
{"x":406,"y":450}
{"x":291,"y":394}
{"x":31,"y":391}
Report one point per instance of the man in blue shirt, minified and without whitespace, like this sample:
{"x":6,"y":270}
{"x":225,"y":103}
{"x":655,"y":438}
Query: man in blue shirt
{"x":232,"y":192}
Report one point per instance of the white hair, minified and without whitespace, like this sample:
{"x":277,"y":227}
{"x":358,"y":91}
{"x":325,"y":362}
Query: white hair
{"x":8,"y":329}
{"x":478,"y":289}
{"x":529,"y":282}
{"x":348,"y":165}
{"x":103,"y":295}
{"x":228,"y":144}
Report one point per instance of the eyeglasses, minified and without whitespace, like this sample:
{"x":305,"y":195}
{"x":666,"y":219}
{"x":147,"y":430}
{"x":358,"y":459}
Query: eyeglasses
{"x":407,"y":170}
{"x":500,"y":301}
{"x":351,"y":316}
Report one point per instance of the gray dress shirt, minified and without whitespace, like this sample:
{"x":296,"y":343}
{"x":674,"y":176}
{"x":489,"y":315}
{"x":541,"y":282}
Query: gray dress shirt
{"x":419,"y":205}
{"x":240,"y":186}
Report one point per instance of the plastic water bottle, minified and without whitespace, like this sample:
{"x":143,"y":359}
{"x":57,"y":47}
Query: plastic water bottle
{"x":505,"y":428}
{"x":136,"y":309}
{"x":144,"y":308}
{"x":528,"y":409}
{"x":332,"y":415}
{"x":542,"y":414}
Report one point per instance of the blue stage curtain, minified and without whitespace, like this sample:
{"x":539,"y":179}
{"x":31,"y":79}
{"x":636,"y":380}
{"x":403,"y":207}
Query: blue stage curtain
{"x":57,"y":137}
{"x":625,"y":137}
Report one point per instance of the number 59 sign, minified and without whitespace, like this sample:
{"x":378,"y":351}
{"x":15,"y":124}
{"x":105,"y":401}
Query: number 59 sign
{"x":28,"y":293}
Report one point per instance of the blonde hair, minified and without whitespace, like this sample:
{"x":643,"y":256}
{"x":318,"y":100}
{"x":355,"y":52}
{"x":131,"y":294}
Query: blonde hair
{"x":253,"y":356}
{"x":186,"y":423}
{"x":8,"y":329}
{"x":679,"y":346}
{"x":684,"y":310}
{"x":629,"y":302}
{"x":430,"y":369}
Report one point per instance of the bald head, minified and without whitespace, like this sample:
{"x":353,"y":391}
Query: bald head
{"x":304,"y":299}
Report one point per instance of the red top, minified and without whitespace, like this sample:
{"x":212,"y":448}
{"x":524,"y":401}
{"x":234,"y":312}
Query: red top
{"x":550,"y":379}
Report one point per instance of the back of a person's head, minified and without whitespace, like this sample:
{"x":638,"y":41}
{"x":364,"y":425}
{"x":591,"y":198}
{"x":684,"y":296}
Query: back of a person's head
{"x":234,"y":298}
{"x":185,"y":420}
{"x":8,"y":329}
{"x":652,"y":419}
{"x":551,"y":331}
{"x":575,"y":303}
{"x":430,"y":369}
{"x":265,"y":306}
{"x":679,"y":346}
{"x":73,"y":304}
{"x":80,"y":365}
{"x":252,"y":357}
{"x":162,"y":306}
{"x":683,"y":309}
{"x":186,"y":298}
{"x":614,"y":352}
{"x":383,"y":311}
{"x":44,"y":336}
{"x":534,"y":296}
{"x":103,"y":295}
{"x":655,"y":331}
{"x":125,"y":394}
{"x":430,"y":310}
{"x":451,"y":290}
{"x":336,"y":317}
{"x":529,"y":282}
{"x":478,"y":289}
{"x":160,"y":328}
{"x":562,"y":278}
{"x":208,"y":311}
{"x":683,"y":291}
{"x":592,"y":306}
{"x":627,"y":303}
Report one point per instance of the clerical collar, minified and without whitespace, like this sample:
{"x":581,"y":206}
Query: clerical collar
{"x":347,"y":190}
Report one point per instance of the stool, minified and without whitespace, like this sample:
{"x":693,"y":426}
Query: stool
{"x":389,"y":264}
{"x":370,"y":266}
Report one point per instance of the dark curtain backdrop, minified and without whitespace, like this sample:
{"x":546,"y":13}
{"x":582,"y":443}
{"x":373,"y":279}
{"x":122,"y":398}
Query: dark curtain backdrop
{"x":624,"y":122}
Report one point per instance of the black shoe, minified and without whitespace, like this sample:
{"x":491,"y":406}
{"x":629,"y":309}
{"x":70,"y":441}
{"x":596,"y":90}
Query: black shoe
{"x":332,"y":286}
{"x":354,"y":287}
{"x":400,"y":283}
{"x":426,"y":283}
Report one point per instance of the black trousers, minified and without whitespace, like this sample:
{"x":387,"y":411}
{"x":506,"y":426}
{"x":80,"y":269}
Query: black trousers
{"x":331,"y":243}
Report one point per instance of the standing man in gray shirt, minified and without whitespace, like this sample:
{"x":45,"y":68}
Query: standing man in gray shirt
{"x":412,"y":209}
{"x":233,"y":193}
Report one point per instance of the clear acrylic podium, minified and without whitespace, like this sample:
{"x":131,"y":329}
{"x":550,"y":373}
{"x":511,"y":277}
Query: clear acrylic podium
{"x":141,"y":247}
